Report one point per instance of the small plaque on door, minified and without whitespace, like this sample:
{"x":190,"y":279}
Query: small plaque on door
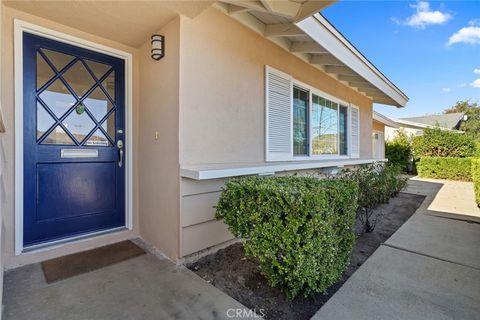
{"x":79,"y":153}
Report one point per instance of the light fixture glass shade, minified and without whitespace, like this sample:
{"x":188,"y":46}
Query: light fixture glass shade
{"x":158,"y":46}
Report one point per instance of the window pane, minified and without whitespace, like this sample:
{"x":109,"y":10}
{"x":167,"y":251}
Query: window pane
{"x":58,"y":136}
{"x":79,"y":124}
{"x":98,"y":104}
{"x":78,"y":78}
{"x":109,"y":125}
{"x":109,"y":84}
{"x":98,"y":69}
{"x":58,"y":98}
{"x":44,"y":120}
{"x":343,"y":130}
{"x":98,"y":139}
{"x":44,"y":72}
{"x":300,"y":122}
{"x":324,"y":126}
{"x":58,"y":59}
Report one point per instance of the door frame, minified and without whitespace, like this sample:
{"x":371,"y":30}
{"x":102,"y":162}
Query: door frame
{"x":20,"y":27}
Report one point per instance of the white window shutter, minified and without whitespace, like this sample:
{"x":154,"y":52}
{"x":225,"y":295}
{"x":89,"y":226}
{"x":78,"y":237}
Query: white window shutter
{"x":354,"y":132}
{"x":278,"y":115}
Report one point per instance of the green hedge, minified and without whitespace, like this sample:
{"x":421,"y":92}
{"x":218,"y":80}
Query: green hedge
{"x":442,"y":143}
{"x":377,"y":183}
{"x":301,"y":229}
{"x":445,"y":168}
{"x":398,"y":154}
{"x":399,"y":150}
{"x":476,"y":178}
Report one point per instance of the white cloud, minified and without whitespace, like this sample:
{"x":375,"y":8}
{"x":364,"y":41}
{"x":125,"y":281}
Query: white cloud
{"x":469,"y":35}
{"x":447,"y":89}
{"x":476,"y":70}
{"x":461,"y":85}
{"x":424,"y":16}
{"x":476,"y":83}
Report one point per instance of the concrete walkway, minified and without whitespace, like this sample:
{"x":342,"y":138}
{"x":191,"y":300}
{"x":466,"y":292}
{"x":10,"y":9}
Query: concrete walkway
{"x":141,"y":288}
{"x":450,"y":199}
{"x":428,"y":269}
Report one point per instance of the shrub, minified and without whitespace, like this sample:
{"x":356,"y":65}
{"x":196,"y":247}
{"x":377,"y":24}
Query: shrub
{"x":399,"y":151}
{"x":476,"y":179}
{"x":377,"y":183}
{"x":477,"y":149}
{"x":442,"y":143}
{"x":301,"y":229}
{"x":445,"y":168}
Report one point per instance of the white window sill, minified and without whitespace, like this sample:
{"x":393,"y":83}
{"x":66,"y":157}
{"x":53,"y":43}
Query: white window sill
{"x":216,"y":171}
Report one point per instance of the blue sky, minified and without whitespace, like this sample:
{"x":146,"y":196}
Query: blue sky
{"x":431,"y":50}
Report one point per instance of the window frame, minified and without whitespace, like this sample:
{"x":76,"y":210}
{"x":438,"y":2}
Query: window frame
{"x":314,"y":91}
{"x":308,"y":120}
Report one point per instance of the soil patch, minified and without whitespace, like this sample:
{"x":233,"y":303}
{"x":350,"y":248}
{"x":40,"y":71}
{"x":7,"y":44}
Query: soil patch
{"x":233,"y":273}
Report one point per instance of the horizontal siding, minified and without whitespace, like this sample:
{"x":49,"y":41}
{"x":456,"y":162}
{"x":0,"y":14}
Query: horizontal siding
{"x":200,"y":230}
{"x":199,"y":208}
{"x":204,"y":235}
{"x":194,"y":187}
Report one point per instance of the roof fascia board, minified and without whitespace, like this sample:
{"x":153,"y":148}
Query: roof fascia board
{"x":329,"y":38}
{"x":386,"y":121}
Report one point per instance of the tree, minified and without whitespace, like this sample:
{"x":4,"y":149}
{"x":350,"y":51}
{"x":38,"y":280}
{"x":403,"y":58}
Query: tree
{"x":472,"y":110}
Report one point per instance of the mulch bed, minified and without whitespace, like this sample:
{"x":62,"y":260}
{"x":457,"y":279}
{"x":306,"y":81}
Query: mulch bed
{"x":233,"y":273}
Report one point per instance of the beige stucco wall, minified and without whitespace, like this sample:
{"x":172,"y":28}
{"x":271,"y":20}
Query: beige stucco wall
{"x":378,"y":126}
{"x":2,"y":185}
{"x":159,"y":157}
{"x":222,"y":86}
{"x":7,"y":96}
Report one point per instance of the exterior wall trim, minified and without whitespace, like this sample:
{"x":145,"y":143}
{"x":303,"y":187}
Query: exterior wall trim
{"x":226,"y":171}
{"x":19,"y":28}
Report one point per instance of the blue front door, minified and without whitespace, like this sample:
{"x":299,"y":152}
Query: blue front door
{"x":74,"y":129}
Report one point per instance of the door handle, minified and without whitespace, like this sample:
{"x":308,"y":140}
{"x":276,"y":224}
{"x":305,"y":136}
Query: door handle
{"x":120,"y":150}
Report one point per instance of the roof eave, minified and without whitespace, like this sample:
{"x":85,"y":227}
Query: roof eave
{"x":332,"y":40}
{"x":385,"y":120}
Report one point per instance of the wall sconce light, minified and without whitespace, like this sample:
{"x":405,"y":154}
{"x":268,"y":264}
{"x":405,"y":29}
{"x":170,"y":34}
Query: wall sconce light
{"x":158,"y":46}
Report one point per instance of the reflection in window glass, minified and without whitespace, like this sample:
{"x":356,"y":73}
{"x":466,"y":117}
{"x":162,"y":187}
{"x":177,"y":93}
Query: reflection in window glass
{"x":58,"y":98}
{"x":109,"y":84}
{"x":98,"y":139}
{"x":300,"y":122}
{"x":98,"y":104}
{"x":109,"y":125}
{"x":58,"y":136}
{"x":44,"y":120}
{"x":79,"y":124}
{"x":44,"y":72}
{"x":324,"y":126}
{"x":343,"y":130}
{"x":58,"y":59}
{"x":98,"y":69}
{"x":79,"y":78}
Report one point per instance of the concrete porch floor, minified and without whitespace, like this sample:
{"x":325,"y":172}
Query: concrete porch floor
{"x":142,"y":288}
{"x":428,"y":269}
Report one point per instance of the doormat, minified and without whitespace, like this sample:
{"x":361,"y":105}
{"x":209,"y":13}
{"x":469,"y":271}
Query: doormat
{"x":86,"y":261}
